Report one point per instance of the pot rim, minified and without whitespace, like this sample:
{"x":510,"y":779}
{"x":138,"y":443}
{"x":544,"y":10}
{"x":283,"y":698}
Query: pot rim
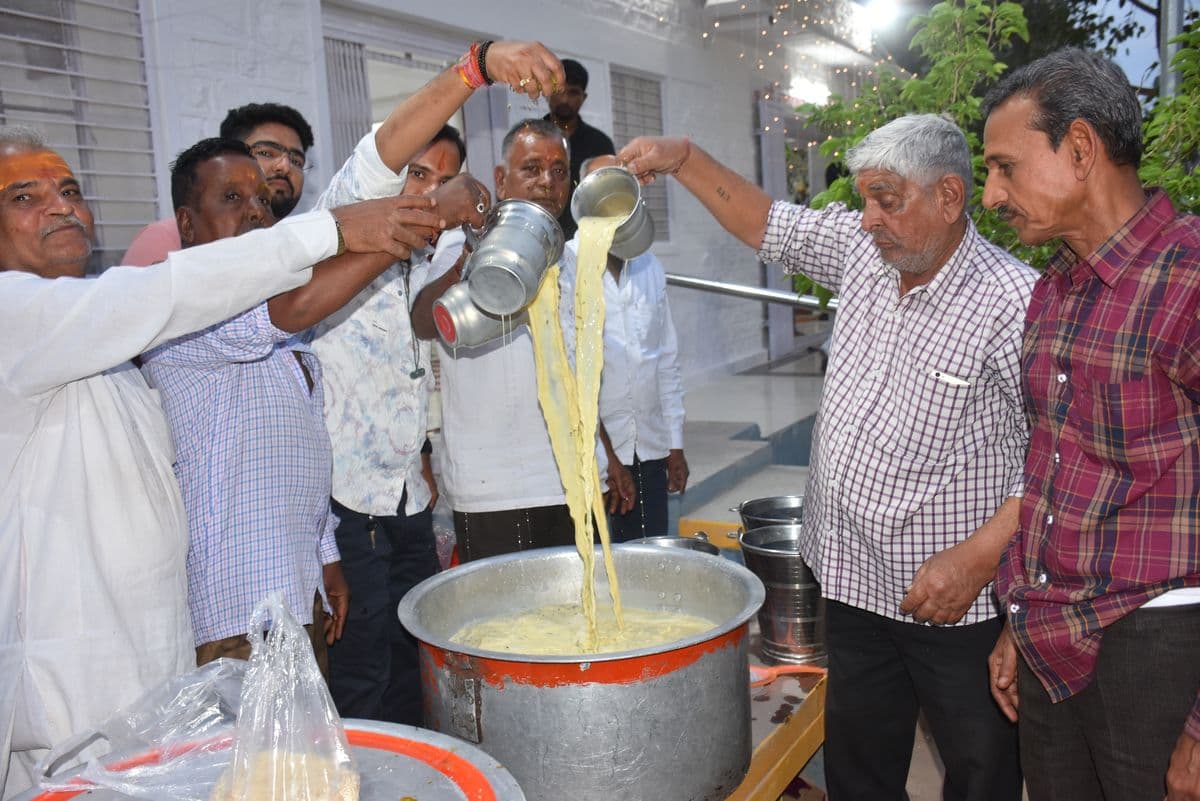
{"x":756,"y":595}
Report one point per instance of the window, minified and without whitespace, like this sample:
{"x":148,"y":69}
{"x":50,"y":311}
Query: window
{"x":637,"y":111}
{"x":74,"y":70}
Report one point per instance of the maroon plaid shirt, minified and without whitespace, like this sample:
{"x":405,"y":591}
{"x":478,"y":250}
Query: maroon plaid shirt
{"x":1111,"y":513}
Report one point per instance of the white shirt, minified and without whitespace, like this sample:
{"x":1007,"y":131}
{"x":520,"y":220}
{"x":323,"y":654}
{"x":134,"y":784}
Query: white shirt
{"x":498,"y":453}
{"x":93,"y":534}
{"x":375,"y":409}
{"x":641,"y":391}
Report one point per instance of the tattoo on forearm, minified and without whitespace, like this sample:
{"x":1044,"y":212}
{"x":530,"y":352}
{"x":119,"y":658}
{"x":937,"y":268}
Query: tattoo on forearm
{"x":721,"y":193}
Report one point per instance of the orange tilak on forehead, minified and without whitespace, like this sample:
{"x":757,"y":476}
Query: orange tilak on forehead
{"x":35,"y":165}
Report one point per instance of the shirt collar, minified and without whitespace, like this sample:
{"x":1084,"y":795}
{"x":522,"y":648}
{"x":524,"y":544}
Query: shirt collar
{"x":1120,"y":250}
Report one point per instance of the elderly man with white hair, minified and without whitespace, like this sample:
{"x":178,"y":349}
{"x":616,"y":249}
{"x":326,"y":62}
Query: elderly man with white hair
{"x":93,"y":533}
{"x":918,"y":453}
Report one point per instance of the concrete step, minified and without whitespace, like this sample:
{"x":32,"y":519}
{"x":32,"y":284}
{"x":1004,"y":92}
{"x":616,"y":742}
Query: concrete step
{"x":719,"y":453}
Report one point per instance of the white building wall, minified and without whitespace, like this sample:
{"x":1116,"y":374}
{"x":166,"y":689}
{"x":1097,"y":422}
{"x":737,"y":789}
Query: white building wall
{"x":206,"y":57}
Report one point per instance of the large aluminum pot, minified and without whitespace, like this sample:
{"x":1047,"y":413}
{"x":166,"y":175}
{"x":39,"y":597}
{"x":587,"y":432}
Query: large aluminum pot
{"x":778,"y":511}
{"x":460,"y":323}
{"x":610,"y":191}
{"x":669,"y":723}
{"x":517,"y":244}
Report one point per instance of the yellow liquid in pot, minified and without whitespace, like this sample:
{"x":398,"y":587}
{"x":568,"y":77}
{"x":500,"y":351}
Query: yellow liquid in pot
{"x":563,"y":630}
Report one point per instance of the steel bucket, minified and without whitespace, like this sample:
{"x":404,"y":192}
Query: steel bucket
{"x":610,"y":191}
{"x":460,"y":323}
{"x":792,"y":619}
{"x":670,"y":723}
{"x":780,"y":510}
{"x":517,"y":244}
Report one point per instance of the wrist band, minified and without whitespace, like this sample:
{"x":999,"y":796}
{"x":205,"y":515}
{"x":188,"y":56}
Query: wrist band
{"x":481,"y":61}
{"x":468,"y":68}
{"x":341,"y":240}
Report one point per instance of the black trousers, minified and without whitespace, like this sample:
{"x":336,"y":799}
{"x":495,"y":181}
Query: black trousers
{"x":882,"y":672}
{"x":482,"y":534}
{"x":1112,"y":741}
{"x":374,"y":669}
{"x":648,"y":517}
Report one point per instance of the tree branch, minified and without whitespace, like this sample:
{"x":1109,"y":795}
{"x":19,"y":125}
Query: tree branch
{"x":1149,"y":9}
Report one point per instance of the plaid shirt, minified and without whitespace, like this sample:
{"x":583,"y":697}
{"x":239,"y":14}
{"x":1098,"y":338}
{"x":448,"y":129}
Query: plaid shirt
{"x":1111,"y":513}
{"x":253,"y":461}
{"x":920,"y":436}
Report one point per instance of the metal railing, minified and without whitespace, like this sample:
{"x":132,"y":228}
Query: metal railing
{"x":752,"y":292}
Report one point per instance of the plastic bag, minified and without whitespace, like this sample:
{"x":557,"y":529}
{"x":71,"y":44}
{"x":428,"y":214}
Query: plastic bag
{"x":289,"y":744}
{"x":173,"y":743}
{"x":265,"y":730}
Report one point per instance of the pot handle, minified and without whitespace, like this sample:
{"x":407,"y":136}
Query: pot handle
{"x":67,"y":751}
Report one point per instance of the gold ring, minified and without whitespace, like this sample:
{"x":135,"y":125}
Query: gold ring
{"x":524,"y":82}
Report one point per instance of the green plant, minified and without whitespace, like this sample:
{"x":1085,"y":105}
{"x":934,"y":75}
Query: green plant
{"x":959,"y":40}
{"x":1172,"y":155}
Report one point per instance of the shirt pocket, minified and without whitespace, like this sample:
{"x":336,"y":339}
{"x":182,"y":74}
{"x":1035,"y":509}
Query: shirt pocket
{"x":1126,"y":423}
{"x":923,"y":420}
{"x":644,"y":320}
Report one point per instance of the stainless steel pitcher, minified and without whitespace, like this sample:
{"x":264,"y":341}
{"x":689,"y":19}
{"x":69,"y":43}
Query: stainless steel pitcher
{"x":610,"y":191}
{"x":519,"y":240}
{"x":460,"y":323}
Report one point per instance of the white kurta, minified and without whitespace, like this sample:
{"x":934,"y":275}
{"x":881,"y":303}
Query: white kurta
{"x":92,"y":528}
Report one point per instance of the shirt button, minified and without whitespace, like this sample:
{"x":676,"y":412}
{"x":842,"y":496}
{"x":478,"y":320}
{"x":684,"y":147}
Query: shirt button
{"x":1062,"y":378}
{"x":1042,"y":579}
{"x":1049,"y":519}
{"x":1014,"y":608}
{"x":1057,"y":457}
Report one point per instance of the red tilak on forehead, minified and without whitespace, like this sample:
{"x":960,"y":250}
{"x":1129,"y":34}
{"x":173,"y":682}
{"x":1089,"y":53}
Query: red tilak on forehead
{"x":441,"y":163}
{"x":35,"y":165}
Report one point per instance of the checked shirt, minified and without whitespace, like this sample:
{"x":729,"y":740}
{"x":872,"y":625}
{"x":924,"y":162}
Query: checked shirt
{"x":1111,"y":513}
{"x":920,"y":436}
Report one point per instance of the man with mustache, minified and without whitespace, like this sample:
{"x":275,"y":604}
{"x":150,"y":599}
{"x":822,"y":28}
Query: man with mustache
{"x":917,"y":456}
{"x":93,"y":533}
{"x":500,"y":472}
{"x":244,"y":401}
{"x":1102,"y":581}
{"x":378,"y":379}
{"x":279,"y":137}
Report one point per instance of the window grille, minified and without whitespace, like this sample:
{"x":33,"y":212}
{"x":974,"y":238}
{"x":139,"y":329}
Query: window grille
{"x":637,"y":111}
{"x":75,"y":71}
{"x":349,"y":98}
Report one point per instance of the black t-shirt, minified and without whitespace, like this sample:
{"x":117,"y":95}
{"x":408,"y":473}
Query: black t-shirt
{"x":586,"y":143}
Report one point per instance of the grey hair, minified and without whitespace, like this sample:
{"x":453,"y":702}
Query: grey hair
{"x":918,"y":147}
{"x":536,"y":126}
{"x":1072,"y":84}
{"x":586,"y":164}
{"x":21,"y":137}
